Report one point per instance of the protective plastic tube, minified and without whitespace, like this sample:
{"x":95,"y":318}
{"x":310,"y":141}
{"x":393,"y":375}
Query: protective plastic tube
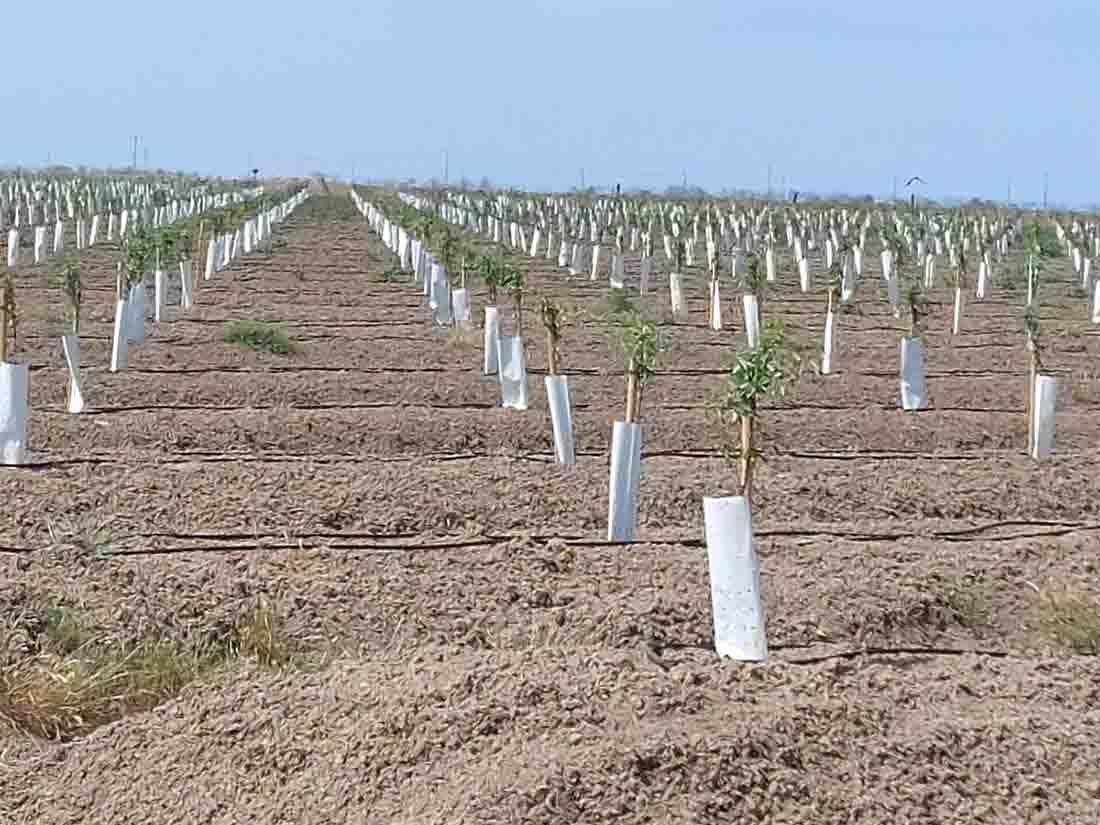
{"x":738,"y":610}
{"x":460,"y":304}
{"x":827,"y":345}
{"x":622,"y":503}
{"x":159,"y":293}
{"x":70,"y":345}
{"x":618,"y":273}
{"x":441,"y":296}
{"x":119,"y":349}
{"x":187,"y":285}
{"x":135,"y":330}
{"x":14,"y":384}
{"x":752,"y":319}
{"x":561,"y":418}
{"x":715,"y":306}
{"x":492,"y":340}
{"x":676,"y":296}
{"x":513,"y":374}
{"x":1043,"y":406}
{"x":913,"y":393}
{"x":893,"y":295}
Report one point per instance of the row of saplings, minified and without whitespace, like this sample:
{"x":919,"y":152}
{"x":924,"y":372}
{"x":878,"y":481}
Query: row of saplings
{"x":146,"y":248}
{"x":766,"y":369}
{"x":905,"y":290}
{"x":770,"y":365}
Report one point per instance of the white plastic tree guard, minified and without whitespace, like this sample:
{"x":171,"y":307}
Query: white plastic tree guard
{"x":460,"y":304}
{"x":738,"y":610}
{"x":561,"y":418}
{"x":492,"y":340}
{"x":626,"y":461}
{"x":828,"y":343}
{"x":676,"y":296}
{"x":1043,"y":407}
{"x":70,"y":345}
{"x":187,"y":285}
{"x":14,"y":385}
{"x":914,"y":395}
{"x":751,"y":307}
{"x":119,"y":343}
{"x":513,"y":373}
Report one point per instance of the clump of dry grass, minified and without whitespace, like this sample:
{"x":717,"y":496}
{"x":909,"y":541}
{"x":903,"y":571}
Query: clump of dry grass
{"x":78,"y":679}
{"x":96,"y":540}
{"x":463,"y":338}
{"x":1073,"y":620}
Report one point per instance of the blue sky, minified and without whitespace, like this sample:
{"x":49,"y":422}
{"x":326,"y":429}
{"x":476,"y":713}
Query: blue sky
{"x":837,"y":97}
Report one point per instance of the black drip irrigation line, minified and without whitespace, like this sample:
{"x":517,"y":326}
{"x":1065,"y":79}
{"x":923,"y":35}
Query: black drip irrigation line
{"x":278,"y":370}
{"x":353,"y":542}
{"x":899,"y":651}
{"x":365,"y":405}
{"x":851,"y":653}
{"x":533,"y":458}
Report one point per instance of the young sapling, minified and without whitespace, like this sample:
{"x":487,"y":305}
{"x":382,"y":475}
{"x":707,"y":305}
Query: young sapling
{"x":1035,"y":365}
{"x":642,"y":343}
{"x":512,"y":280}
{"x":9,"y":318}
{"x":551,"y":314}
{"x":72,"y":287}
{"x":769,"y":369}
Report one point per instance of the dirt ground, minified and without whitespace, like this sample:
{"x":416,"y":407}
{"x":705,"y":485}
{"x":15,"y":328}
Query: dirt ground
{"x":487,"y":656}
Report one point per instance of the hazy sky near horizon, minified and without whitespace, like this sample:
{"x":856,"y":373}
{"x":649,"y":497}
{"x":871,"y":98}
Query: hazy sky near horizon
{"x":837,"y":97}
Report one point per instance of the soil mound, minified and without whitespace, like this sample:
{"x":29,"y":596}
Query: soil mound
{"x":546,"y":736}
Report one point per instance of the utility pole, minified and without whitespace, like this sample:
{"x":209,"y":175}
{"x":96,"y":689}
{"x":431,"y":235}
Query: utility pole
{"x":582,"y":177}
{"x":1046,"y":188}
{"x":1009,"y":192}
{"x":133,"y":164}
{"x":685,"y":180}
{"x":145,"y":154}
{"x":894,"y":196}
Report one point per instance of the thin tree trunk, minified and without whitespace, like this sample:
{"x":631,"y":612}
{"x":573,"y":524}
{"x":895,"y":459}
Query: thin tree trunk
{"x":633,"y":399}
{"x":553,"y":367}
{"x":746,"y":456}
{"x":1031,"y":397}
